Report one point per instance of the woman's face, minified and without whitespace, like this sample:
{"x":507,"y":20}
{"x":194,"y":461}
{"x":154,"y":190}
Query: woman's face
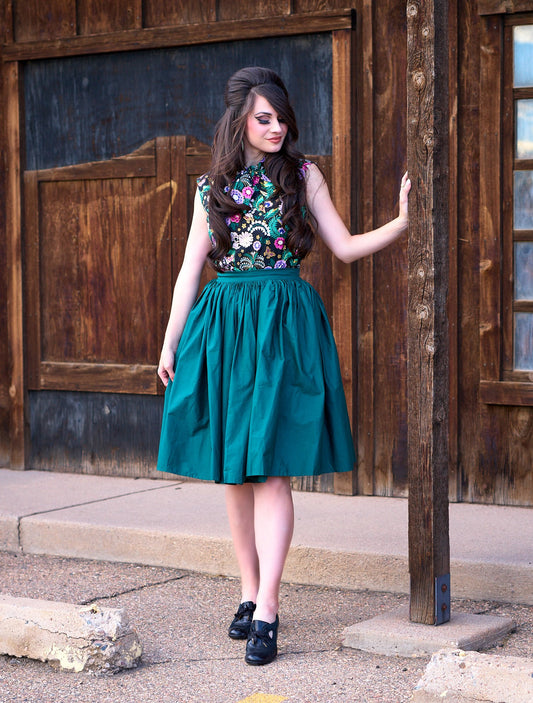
{"x":265,"y":131}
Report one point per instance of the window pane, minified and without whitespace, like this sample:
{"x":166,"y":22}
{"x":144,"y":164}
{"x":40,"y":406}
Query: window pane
{"x":524,"y":129}
{"x":523,"y":55}
{"x":523,"y":341}
{"x":523,"y":271}
{"x":523,"y":200}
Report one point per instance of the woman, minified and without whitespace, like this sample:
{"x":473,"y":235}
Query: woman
{"x":254,"y":392}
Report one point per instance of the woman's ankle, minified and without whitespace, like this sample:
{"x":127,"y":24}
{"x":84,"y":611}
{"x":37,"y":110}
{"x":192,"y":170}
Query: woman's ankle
{"x":266,"y":612}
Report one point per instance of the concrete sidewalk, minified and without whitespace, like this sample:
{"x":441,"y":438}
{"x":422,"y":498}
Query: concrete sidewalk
{"x":346,"y":542}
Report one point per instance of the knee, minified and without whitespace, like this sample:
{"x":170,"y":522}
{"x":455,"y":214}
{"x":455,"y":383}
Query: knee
{"x":278,"y":485}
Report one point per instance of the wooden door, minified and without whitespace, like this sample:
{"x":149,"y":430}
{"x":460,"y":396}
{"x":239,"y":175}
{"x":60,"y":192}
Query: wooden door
{"x":103,"y":241}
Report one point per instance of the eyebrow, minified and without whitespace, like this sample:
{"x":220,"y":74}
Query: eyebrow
{"x":258,"y":114}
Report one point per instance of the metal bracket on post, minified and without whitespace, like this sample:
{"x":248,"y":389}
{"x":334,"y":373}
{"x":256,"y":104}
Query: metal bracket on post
{"x":442,"y":599}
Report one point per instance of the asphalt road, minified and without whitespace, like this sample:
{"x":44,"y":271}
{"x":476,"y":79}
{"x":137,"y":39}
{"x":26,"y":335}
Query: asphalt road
{"x":182,"y":618}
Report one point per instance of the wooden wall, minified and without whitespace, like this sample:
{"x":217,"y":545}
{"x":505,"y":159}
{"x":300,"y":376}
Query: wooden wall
{"x":491,"y":444}
{"x":5,"y":404}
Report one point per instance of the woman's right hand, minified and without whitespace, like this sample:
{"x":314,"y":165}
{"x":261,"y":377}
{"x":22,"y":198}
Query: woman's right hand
{"x":165,"y":370}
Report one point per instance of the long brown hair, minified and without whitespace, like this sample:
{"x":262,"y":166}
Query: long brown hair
{"x":283,"y":167}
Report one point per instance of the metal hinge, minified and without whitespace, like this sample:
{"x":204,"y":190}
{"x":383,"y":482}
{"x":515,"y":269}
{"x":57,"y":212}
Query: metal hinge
{"x":442,"y":599}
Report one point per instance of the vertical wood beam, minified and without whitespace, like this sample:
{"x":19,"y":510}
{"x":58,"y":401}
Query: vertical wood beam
{"x":17,"y":389}
{"x":342,"y":319}
{"x":427,"y":374}
{"x":490,"y":200}
{"x":365,"y":266}
{"x":7,"y":27}
{"x":32,"y":268}
{"x":454,"y":483}
{"x":164,"y":156}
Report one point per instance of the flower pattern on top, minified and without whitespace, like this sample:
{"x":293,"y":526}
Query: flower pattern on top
{"x":257,"y":236}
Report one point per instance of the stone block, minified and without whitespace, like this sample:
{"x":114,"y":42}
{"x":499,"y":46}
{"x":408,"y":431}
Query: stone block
{"x":393,"y":634}
{"x":71,"y":637}
{"x":455,"y":676}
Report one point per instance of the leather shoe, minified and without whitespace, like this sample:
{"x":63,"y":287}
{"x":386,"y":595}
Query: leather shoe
{"x":262,"y":644}
{"x":240,"y":625}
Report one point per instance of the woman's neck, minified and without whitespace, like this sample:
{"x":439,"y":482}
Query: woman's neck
{"x":252,"y":156}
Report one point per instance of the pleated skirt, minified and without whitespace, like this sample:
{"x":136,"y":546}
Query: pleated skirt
{"x":257,"y":390}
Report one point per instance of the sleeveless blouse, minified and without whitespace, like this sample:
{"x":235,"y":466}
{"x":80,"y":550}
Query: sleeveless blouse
{"x":257,"y":234}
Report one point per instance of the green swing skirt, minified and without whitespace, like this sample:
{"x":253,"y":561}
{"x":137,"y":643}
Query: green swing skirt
{"x":257,"y":389}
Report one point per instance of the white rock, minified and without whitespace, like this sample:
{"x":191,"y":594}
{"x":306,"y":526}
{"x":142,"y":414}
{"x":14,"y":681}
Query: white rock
{"x":73,"y":637}
{"x":456,"y":676}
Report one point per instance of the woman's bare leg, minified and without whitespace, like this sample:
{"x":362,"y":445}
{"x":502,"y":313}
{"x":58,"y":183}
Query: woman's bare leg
{"x":274,"y":525}
{"x":240,"y":507}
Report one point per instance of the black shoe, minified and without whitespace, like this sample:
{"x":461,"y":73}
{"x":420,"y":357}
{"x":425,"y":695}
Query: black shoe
{"x":262,"y":645}
{"x":240,"y":626}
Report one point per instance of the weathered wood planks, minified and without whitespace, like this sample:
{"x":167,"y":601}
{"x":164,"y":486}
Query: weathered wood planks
{"x":427,"y":116}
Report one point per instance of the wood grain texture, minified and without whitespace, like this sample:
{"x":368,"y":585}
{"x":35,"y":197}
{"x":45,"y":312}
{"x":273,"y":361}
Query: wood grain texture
{"x":32,"y":300}
{"x":343,"y":312}
{"x":94,"y":317}
{"x":6,"y":20}
{"x":35,"y":20}
{"x":5,"y":402}
{"x":95,"y":433}
{"x":109,"y":378}
{"x":240,"y":9}
{"x":427,"y":106}
{"x":496,"y":7}
{"x":506,"y":441}
{"x":453,"y":263}
{"x":159,"y":37}
{"x":389,"y":265}
{"x":490,"y":197}
{"x":317,"y":5}
{"x":365,"y":267}
{"x":511,"y":393}
{"x":98,"y":255}
{"x":163,"y":244}
{"x":17,"y":382}
{"x":505,"y":203}
{"x":168,"y":13}
{"x":102,"y":16}
{"x":468,"y":176}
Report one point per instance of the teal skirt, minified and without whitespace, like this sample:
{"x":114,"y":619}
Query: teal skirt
{"x":257,"y":390}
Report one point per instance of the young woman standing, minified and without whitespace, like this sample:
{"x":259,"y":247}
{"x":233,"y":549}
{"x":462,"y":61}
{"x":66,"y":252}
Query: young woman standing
{"x":254,"y":392}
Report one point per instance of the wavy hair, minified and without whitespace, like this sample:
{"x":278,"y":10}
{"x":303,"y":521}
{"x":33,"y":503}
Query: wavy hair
{"x":282,"y":167}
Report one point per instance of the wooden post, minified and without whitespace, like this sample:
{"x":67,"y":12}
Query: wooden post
{"x":427,"y":117}
{"x":342,"y":319}
{"x":17,"y":387}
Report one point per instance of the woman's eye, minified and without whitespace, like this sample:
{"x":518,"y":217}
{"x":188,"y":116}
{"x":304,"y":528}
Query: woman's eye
{"x":262,"y":121}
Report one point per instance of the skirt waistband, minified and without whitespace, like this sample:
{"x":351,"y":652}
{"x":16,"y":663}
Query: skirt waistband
{"x":258,"y":275}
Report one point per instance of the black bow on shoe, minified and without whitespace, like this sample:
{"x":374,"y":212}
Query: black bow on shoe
{"x":240,"y":625}
{"x":262,"y":644}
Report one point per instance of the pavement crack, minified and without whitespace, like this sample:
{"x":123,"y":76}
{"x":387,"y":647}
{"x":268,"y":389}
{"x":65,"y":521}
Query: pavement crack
{"x":136,"y":589}
{"x":204,"y":660}
{"x":19,"y":534}
{"x":173,"y":484}
{"x":198,"y":660}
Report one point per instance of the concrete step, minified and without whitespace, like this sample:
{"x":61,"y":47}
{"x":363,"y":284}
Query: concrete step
{"x":354,"y":542}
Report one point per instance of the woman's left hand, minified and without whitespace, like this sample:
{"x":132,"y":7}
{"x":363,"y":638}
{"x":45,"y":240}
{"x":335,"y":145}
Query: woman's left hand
{"x":404,"y":198}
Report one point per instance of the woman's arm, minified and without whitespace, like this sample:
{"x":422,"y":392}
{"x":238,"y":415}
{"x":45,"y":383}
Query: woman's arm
{"x":186,"y":288}
{"x":333,"y":230}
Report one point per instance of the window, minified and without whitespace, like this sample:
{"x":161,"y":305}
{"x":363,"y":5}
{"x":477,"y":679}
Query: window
{"x":518,"y":222}
{"x":506,"y":205}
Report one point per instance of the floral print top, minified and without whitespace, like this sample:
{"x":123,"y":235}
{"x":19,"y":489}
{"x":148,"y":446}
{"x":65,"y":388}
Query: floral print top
{"x":258,"y":237}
